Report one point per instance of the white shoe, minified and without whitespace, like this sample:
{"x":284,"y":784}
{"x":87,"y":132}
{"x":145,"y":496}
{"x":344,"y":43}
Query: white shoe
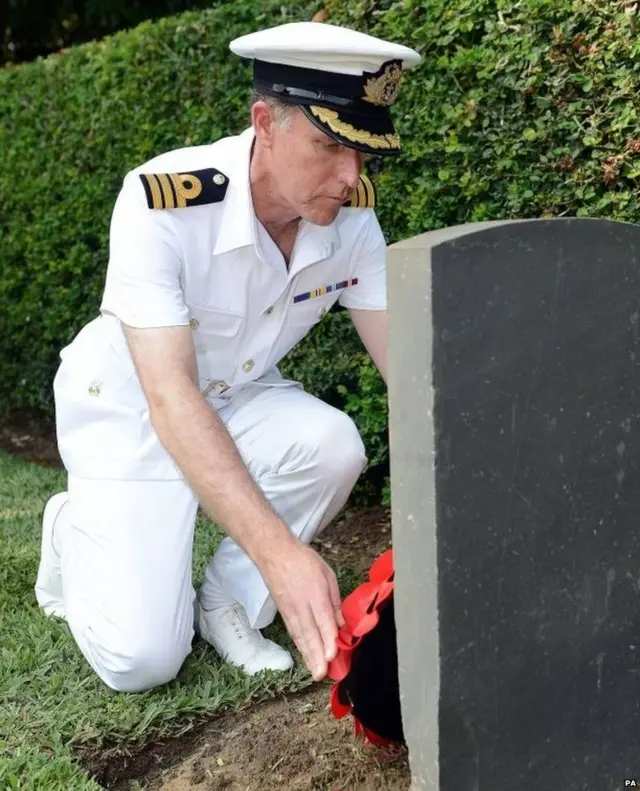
{"x":49,"y":581}
{"x":228,"y":630}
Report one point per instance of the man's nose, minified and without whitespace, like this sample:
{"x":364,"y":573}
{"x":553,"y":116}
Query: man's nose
{"x":350,"y":167}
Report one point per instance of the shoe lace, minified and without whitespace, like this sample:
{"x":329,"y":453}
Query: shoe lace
{"x":240,"y":622}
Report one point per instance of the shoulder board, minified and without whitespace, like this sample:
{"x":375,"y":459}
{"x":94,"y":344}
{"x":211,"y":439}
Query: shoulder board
{"x":179,"y":190}
{"x":364,"y":196}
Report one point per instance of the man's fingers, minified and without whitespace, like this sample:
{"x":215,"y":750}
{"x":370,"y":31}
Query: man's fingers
{"x":298,"y":633}
{"x":334,"y":592}
{"x":304,"y":632}
{"x":326,"y":620}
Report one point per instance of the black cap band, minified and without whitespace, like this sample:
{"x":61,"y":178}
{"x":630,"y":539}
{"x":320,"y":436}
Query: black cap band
{"x":308,"y":86}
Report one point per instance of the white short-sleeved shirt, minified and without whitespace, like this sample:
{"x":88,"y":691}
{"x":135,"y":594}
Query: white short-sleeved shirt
{"x":212,"y":267}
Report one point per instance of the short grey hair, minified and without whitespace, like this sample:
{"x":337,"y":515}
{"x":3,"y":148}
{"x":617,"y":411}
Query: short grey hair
{"x":283,"y":112}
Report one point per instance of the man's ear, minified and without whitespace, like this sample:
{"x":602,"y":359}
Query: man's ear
{"x":263,"y":121}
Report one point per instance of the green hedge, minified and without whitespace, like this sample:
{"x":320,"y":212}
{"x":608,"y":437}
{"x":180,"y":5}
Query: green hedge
{"x":518,"y":110}
{"x":72,"y":126}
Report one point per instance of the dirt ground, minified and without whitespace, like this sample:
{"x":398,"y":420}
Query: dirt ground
{"x":291,"y":744}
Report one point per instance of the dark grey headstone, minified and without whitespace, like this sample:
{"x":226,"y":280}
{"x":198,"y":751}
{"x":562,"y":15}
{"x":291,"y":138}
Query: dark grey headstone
{"x":515,"y":459}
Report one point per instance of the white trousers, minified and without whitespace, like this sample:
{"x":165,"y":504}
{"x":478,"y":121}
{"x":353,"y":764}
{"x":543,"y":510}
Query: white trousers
{"x":126,"y":546}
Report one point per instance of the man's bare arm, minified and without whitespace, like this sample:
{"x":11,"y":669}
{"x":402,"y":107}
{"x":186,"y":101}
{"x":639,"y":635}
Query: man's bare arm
{"x":303,"y":587}
{"x":373,"y":327}
{"x":199,"y":442}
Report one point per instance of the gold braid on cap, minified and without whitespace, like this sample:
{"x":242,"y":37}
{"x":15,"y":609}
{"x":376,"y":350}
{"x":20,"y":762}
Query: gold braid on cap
{"x":332,"y":120}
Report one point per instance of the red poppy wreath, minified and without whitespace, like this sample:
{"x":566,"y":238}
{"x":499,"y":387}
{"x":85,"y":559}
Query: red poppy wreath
{"x":365,"y":669}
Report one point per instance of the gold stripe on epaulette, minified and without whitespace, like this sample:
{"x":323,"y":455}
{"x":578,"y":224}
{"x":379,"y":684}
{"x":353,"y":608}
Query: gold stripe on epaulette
{"x":364,"y":196}
{"x":169,"y":203}
{"x":370,"y":190}
{"x":156,"y":197}
{"x":183,"y":192}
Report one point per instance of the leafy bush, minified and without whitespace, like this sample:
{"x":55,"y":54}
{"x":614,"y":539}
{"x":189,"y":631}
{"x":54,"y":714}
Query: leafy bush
{"x":518,"y":109}
{"x":72,"y":125}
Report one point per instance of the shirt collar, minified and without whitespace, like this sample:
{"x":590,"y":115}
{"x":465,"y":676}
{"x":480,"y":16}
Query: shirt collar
{"x":237,"y":228}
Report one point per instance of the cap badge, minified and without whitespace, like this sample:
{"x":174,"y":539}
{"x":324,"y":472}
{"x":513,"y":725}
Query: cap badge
{"x":383,"y":87}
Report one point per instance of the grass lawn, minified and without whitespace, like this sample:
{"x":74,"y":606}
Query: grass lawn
{"x":51,"y":703}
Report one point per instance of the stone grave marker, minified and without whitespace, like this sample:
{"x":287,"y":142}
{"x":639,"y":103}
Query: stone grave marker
{"x":514,"y":394}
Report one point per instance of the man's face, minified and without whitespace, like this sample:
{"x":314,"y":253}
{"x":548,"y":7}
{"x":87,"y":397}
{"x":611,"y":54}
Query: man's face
{"x":314,"y":174}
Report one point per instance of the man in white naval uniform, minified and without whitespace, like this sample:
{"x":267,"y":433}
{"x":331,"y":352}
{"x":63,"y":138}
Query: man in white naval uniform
{"x":222,"y":257}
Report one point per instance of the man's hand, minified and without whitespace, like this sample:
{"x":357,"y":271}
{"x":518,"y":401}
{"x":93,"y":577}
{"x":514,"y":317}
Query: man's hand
{"x":306,"y":593}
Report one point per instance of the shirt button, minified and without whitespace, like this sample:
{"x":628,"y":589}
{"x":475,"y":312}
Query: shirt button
{"x":248,"y":366}
{"x":194,"y":324}
{"x":269,"y":310}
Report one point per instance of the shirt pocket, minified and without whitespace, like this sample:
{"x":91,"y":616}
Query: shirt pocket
{"x":99,"y":401}
{"x":217,"y":335}
{"x":311,"y":311}
{"x":300,"y":318}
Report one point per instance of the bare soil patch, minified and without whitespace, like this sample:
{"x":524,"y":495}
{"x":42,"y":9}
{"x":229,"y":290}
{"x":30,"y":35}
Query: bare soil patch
{"x":293,"y":744}
{"x":356,"y":538}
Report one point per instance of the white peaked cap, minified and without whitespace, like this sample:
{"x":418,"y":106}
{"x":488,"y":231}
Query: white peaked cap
{"x":322,"y":46}
{"x":344,"y":81}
